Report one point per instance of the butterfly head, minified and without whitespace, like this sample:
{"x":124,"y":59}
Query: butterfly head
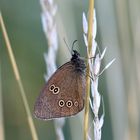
{"x":78,"y":62}
{"x":75,"y":54}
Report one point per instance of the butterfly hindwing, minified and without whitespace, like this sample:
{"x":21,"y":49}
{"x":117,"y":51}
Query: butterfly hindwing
{"x":62,"y":95}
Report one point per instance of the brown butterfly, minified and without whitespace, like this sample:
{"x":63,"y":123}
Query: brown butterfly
{"x":63,"y":94}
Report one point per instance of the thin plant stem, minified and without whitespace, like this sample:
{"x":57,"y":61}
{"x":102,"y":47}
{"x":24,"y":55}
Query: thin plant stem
{"x":17,"y":76}
{"x":1,"y":108}
{"x":90,"y":29}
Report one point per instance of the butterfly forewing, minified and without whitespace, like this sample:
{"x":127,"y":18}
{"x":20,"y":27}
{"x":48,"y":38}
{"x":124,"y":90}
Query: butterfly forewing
{"x":63,"y":94}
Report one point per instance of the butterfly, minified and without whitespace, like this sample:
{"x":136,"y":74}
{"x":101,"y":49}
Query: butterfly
{"x":63,"y":94}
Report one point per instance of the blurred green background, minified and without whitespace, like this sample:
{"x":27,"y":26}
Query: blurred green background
{"x":118,"y":28}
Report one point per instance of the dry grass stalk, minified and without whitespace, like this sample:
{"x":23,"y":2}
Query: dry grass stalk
{"x":49,"y":27}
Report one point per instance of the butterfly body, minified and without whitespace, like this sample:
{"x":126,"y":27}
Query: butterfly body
{"x":63,"y":94}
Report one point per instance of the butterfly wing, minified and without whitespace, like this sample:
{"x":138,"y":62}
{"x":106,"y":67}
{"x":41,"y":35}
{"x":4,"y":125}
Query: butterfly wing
{"x":63,"y":94}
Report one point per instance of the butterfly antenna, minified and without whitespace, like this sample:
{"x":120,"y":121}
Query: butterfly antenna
{"x":67,"y":45}
{"x":73,"y":44}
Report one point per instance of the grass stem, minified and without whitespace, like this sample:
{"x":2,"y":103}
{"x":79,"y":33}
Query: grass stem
{"x":2,"y":137}
{"x":17,"y":76}
{"x":90,"y":36}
